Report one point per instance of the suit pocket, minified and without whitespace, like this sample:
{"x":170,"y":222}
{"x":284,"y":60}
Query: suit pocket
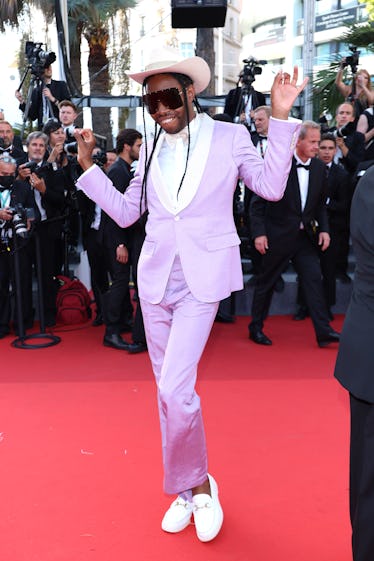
{"x":222,"y":241}
{"x":148,"y":247}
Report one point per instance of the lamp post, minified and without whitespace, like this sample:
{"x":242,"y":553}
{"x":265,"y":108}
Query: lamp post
{"x":308,"y":55}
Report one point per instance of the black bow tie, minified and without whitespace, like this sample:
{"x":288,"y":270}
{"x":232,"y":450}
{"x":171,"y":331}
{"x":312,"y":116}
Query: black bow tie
{"x":303,"y":166}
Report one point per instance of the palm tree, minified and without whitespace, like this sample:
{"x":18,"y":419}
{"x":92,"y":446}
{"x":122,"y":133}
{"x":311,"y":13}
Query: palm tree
{"x":90,"y":18}
{"x":9,"y":11}
{"x":205,"y":49}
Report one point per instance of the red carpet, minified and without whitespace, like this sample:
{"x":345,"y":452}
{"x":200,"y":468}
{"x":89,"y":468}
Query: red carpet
{"x":80,"y":460}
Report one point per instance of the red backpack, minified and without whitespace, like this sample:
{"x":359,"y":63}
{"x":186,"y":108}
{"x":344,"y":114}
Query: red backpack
{"x":73,"y":302}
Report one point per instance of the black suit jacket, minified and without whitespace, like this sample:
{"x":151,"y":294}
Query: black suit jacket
{"x":21,"y":193}
{"x":17,"y":153}
{"x":338,"y":196}
{"x":280,"y":221}
{"x":52,"y":201}
{"x":233,"y":101}
{"x":354,"y":365}
{"x":87,"y":211}
{"x":111,"y":234}
{"x":356,"y":144}
{"x":59,"y":90}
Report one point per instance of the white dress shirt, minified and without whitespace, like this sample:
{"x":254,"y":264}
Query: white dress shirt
{"x":303,"y":177}
{"x":173,"y":154}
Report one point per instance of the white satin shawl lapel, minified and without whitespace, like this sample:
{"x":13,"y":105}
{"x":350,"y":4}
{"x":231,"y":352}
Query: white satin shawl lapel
{"x":196,"y":166}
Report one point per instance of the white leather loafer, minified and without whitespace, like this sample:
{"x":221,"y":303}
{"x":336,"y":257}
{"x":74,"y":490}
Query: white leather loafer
{"x":178,"y":516}
{"x":208,"y":513}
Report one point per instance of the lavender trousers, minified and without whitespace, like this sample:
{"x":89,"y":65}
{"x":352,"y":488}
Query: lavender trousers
{"x":177,"y":330}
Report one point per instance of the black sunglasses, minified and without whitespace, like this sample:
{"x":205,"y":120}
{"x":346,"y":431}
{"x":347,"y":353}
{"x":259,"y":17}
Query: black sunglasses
{"x":170,"y":98}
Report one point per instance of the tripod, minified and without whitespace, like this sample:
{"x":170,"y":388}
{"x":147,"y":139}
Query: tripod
{"x":35,"y":82}
{"x":247,"y":92}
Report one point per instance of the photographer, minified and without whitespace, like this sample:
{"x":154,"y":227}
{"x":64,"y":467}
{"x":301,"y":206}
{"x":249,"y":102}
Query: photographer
{"x":242,"y":100}
{"x":66,"y":171}
{"x":350,"y":151}
{"x":359,"y":92}
{"x":15,"y":199}
{"x":45,"y":96}
{"x":68,"y":112}
{"x":7,"y":144}
{"x":48,"y":193}
{"x":350,"y":143}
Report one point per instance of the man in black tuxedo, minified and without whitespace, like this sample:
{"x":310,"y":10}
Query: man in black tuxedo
{"x":48,"y":191}
{"x":338,"y":204}
{"x":118,"y":245}
{"x":354,"y":370}
{"x":292,"y":229}
{"x":261,"y":118}
{"x":7,"y":144}
{"x":350,"y":143}
{"x":45,"y":98}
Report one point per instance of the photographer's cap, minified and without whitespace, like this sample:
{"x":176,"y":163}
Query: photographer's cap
{"x":168,"y":61}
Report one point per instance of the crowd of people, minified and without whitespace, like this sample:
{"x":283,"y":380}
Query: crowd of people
{"x":64,"y":217}
{"x":301,"y":183}
{"x":44,"y":220}
{"x":309,"y":227}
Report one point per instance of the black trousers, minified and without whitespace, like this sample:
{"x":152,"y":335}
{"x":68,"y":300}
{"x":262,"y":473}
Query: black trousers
{"x":98,"y":270}
{"x":362,"y":479}
{"x":47,"y":241}
{"x":116,"y":301}
{"x":138,"y":333}
{"x":304,"y":256}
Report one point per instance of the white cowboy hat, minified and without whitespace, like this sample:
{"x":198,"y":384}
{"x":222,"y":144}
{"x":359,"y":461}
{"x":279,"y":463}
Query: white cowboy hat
{"x":167,"y":61}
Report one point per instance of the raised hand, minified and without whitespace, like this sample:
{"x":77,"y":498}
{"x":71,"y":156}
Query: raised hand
{"x":86,"y":143}
{"x":284,"y":93}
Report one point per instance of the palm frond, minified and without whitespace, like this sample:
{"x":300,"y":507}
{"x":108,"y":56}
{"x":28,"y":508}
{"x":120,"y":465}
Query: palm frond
{"x":326,"y":96}
{"x":9,"y":12}
{"x":361,"y":36}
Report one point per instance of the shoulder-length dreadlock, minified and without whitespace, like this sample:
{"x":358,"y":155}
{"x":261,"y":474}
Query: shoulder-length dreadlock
{"x":185,"y":82}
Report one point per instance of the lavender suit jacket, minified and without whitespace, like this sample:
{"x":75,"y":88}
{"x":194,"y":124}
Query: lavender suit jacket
{"x":201,"y":227}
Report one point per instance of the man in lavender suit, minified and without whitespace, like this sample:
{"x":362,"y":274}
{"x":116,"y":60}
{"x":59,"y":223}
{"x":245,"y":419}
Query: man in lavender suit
{"x":190,"y":259}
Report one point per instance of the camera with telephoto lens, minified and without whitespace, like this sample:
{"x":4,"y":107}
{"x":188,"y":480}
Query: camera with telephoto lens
{"x":251,"y":69}
{"x":345,"y":130}
{"x":19,"y":219}
{"x":38,"y":59}
{"x":71,"y":147}
{"x":352,"y":60}
{"x":70,"y":130}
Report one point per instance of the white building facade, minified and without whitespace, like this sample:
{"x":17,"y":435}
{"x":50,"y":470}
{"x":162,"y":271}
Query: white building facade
{"x":275,"y":32}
